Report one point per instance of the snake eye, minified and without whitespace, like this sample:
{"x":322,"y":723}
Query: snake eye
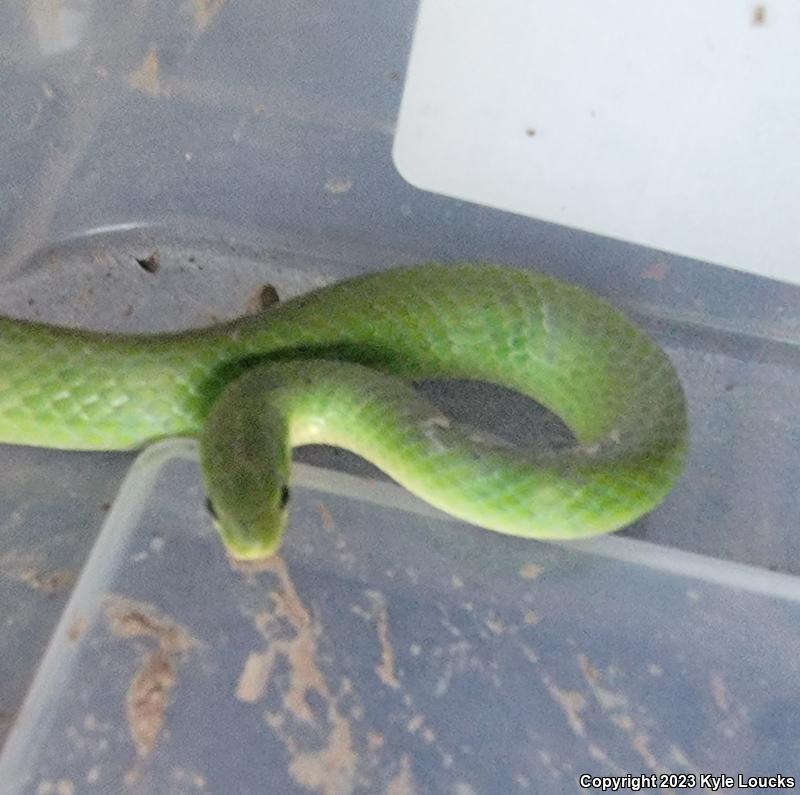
{"x":210,"y":508}
{"x":284,"y":496}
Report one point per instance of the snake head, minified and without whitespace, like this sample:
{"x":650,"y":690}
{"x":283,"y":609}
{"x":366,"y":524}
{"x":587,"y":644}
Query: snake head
{"x":248,"y":534}
{"x":244,"y":459}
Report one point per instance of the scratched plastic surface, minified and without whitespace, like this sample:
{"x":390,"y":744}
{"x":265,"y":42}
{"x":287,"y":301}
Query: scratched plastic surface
{"x":392,"y":650}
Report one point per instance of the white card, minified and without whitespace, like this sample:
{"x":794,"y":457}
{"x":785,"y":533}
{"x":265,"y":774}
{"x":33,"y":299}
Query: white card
{"x":674,"y":125}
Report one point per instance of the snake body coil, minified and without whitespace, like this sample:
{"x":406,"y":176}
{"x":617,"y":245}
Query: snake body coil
{"x":333,"y":366}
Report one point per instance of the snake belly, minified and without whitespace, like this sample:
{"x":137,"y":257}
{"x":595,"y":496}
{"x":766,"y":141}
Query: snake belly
{"x":340,"y":359}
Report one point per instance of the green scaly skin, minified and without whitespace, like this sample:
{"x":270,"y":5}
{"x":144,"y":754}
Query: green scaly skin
{"x":331,"y":367}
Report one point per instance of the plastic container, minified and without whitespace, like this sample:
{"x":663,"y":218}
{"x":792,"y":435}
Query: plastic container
{"x":391,"y":649}
{"x":250,"y":142}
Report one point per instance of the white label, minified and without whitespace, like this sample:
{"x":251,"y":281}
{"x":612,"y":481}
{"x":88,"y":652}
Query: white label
{"x":671,"y":124}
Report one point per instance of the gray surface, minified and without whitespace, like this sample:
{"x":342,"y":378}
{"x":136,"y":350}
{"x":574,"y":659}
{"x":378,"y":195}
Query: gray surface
{"x":259,"y":150}
{"x":353,"y":663}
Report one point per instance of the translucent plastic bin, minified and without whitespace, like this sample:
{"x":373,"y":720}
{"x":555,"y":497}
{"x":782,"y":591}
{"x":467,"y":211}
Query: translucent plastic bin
{"x":390,"y":649}
{"x":251,"y":142}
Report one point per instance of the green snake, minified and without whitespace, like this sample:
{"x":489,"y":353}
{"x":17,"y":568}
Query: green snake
{"x":335,"y":366}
